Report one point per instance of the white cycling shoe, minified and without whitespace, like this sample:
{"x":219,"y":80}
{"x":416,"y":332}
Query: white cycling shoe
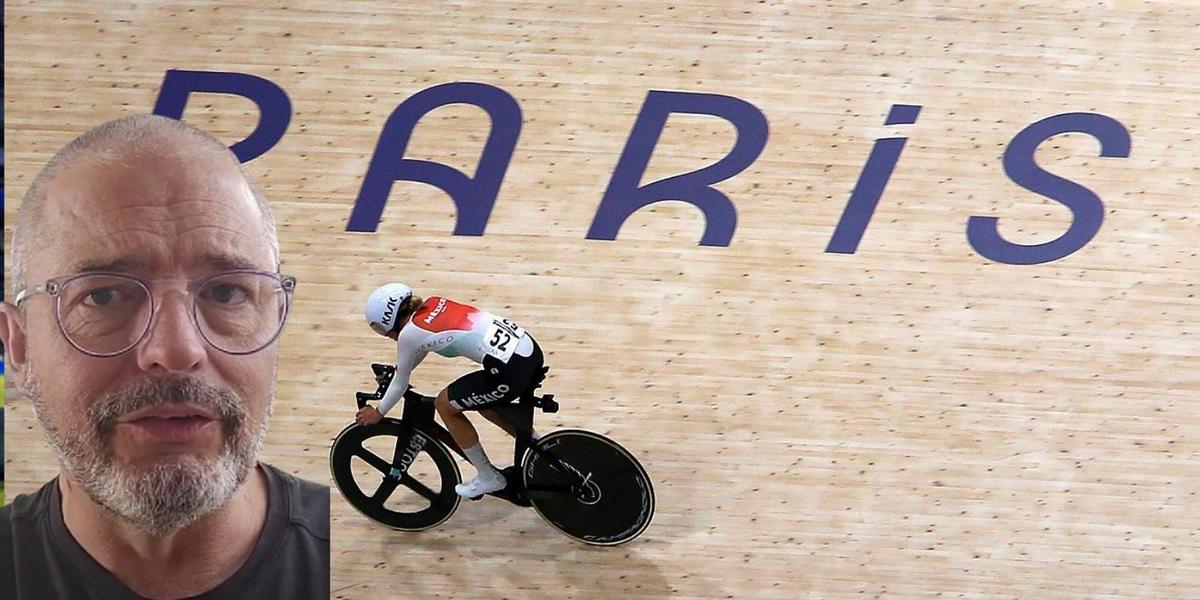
{"x":482,"y":484}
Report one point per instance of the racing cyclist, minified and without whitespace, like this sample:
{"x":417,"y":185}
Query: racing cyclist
{"x":509,"y":357}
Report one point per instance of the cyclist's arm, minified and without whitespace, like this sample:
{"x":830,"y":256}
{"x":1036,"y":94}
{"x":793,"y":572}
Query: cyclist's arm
{"x":407,"y":359}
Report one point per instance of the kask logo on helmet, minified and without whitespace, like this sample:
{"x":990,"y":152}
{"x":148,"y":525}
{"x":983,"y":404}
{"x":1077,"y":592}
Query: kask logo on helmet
{"x":390,"y":311}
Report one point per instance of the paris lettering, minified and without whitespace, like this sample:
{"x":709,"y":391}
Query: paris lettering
{"x":475,"y":196}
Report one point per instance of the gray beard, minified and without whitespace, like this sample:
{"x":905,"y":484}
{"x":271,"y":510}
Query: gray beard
{"x":171,"y":494}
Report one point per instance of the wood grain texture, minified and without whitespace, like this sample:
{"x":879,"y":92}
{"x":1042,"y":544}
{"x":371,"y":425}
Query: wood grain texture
{"x":913,"y":420}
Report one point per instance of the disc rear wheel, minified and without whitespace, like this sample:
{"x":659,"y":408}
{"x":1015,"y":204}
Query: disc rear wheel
{"x":589,"y":487}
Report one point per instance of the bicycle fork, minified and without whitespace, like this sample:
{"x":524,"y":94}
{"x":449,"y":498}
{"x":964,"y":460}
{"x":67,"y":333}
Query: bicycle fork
{"x":405,"y":454}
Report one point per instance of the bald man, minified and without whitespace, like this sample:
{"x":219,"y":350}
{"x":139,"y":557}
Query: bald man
{"x":147,"y":303}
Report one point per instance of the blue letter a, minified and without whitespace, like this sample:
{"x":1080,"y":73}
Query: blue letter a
{"x":473,"y":196}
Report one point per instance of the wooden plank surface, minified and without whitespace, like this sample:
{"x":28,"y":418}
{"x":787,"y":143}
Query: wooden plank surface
{"x":912,"y":420}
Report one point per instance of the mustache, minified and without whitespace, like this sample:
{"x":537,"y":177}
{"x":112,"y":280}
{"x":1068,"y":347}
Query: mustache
{"x":151,"y":392}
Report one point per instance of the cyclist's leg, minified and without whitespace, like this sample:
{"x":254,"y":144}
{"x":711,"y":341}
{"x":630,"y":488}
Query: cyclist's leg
{"x":471,"y":392}
{"x":496,"y":385}
{"x":520,"y":374}
{"x":460,"y":427}
{"x":499,"y":420}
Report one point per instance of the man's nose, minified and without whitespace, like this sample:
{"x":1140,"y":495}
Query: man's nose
{"x":173,"y":343}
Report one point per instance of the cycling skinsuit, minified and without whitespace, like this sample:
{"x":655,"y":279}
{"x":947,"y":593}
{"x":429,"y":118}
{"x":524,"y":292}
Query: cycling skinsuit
{"x":511,"y":359}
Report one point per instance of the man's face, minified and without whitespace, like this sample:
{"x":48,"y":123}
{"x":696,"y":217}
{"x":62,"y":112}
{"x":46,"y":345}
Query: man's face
{"x":165,"y":432}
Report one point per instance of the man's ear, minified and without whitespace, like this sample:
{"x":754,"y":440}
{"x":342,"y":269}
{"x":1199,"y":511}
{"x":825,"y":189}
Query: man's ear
{"x":12,"y":333}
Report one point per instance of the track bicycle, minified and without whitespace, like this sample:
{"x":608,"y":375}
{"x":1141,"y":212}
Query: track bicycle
{"x":401,"y":473}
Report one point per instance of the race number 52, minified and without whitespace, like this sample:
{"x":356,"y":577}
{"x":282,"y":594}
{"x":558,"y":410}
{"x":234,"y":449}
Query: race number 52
{"x":502,"y":337}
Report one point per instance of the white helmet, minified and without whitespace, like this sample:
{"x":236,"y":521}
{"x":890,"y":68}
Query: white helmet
{"x":384,"y":304}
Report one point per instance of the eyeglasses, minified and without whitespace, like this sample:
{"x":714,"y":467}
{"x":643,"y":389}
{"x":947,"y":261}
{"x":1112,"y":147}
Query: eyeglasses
{"x":105,"y":314}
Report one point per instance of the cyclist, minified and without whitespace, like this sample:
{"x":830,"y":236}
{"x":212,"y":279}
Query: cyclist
{"x":510,"y":358}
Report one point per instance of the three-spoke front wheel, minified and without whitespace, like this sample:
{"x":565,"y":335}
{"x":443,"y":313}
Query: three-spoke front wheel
{"x":395,"y":475}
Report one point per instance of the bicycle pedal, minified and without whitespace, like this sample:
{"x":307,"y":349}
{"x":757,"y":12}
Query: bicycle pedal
{"x":474,"y":498}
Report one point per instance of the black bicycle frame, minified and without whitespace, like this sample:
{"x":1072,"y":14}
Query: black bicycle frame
{"x":418,"y":413}
{"x":419,"y":410}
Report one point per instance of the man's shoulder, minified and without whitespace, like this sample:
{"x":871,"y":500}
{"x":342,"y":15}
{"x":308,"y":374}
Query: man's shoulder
{"x":24,"y":523}
{"x":6,"y":526}
{"x":307,"y":502}
{"x":26,"y":508}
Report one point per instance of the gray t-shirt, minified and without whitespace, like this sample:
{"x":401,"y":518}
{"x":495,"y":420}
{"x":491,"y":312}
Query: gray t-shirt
{"x":40,"y":560}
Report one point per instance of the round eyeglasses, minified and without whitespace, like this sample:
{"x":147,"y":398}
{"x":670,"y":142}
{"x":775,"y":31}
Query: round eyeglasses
{"x":106,"y":314}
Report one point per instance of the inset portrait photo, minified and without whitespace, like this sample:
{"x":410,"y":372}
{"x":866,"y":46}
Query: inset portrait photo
{"x":141,"y":332}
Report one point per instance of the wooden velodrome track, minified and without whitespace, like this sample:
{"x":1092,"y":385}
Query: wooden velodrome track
{"x":913,"y":420}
